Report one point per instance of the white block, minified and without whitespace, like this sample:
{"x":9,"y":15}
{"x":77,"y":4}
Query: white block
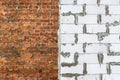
{"x":115,"y":29}
{"x":89,"y":77}
{"x":67,"y":78}
{"x":86,"y":1}
{"x":115,"y":48}
{"x":71,"y":48}
{"x":67,"y":38}
{"x":110,"y":19}
{"x":115,"y":69}
{"x":109,"y":2}
{"x":71,"y":8}
{"x":74,"y":69}
{"x":95,"y":9}
{"x":88,"y":58}
{"x":96,"y":28}
{"x":114,"y":9}
{"x":87,"y":19}
{"x":68,"y":59}
{"x":108,"y":59}
{"x":67,"y":19}
{"x":96,"y":68}
{"x":111,"y":77}
{"x":88,"y":38}
{"x":67,"y":28}
{"x":96,"y":48}
{"x":66,"y":1}
{"x":111,"y":39}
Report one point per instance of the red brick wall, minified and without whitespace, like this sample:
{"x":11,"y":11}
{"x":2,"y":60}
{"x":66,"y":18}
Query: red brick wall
{"x":28,"y":39}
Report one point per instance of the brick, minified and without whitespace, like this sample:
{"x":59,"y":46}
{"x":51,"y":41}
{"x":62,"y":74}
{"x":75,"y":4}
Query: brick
{"x":21,"y":78}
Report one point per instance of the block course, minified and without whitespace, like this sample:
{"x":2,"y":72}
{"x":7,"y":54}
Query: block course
{"x":90,"y":29}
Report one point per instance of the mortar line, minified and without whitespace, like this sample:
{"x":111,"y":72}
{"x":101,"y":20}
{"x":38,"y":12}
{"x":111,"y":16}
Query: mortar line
{"x":59,"y":46}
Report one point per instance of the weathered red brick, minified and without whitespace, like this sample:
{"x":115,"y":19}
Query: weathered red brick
{"x":28,"y":36}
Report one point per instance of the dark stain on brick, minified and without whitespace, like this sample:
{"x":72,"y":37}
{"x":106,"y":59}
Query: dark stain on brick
{"x":10,"y":52}
{"x":40,"y":70}
{"x":15,"y":51}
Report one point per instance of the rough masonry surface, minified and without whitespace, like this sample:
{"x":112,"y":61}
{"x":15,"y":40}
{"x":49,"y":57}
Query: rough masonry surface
{"x":89,"y":40}
{"x":28,"y":39}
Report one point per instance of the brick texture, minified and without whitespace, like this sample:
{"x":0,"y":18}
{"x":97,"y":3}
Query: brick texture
{"x":89,"y":40}
{"x":28,"y":39}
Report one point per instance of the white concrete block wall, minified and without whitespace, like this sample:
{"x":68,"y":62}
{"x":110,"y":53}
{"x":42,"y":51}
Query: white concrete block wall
{"x":89,"y":40}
